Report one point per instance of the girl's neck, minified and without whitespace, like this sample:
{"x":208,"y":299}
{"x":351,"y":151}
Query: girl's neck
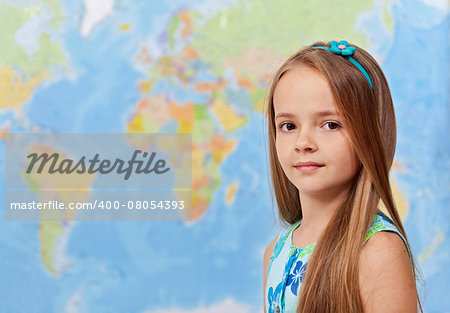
{"x":317,"y":210}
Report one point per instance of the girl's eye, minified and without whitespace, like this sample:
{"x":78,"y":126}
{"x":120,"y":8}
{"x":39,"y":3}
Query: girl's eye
{"x":332,"y":125}
{"x":289,"y":126}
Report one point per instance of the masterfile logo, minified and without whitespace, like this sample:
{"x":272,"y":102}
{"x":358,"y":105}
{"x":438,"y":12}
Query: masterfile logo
{"x":68,"y":166}
{"x":98,"y":176}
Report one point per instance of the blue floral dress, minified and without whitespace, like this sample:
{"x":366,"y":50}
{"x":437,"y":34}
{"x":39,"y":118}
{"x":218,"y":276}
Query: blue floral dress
{"x":288,"y":265}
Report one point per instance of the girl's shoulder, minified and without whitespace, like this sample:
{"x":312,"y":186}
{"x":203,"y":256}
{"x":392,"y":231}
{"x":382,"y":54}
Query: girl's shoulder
{"x":382,"y":223}
{"x":385,"y":268}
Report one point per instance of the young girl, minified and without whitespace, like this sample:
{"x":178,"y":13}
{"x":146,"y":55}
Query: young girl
{"x":332,"y":136}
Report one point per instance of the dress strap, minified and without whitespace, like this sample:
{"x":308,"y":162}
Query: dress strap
{"x":280,"y":242}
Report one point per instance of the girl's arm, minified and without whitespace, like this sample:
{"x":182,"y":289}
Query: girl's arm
{"x":266,"y":260}
{"x":385,"y":276}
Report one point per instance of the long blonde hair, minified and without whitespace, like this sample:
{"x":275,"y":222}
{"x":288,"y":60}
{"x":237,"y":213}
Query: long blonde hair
{"x":331,"y":283}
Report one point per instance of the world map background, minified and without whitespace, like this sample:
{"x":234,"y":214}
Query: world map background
{"x":202,"y":67}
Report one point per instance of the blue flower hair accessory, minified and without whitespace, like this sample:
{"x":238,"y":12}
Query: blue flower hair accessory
{"x":342,"y":48}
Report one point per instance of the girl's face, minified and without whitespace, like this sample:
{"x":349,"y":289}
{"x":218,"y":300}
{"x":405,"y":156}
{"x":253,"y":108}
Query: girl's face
{"x":312,"y":145}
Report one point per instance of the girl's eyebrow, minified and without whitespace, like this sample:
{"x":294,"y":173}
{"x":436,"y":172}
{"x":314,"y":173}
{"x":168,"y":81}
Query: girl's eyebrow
{"x":282,"y":114}
{"x":318,"y":114}
{"x":326,"y":113}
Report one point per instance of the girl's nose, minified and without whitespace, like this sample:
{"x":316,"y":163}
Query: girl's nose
{"x":305,"y":142}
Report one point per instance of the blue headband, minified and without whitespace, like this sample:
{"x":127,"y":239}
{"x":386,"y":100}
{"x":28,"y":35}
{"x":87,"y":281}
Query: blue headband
{"x":342,"y":48}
